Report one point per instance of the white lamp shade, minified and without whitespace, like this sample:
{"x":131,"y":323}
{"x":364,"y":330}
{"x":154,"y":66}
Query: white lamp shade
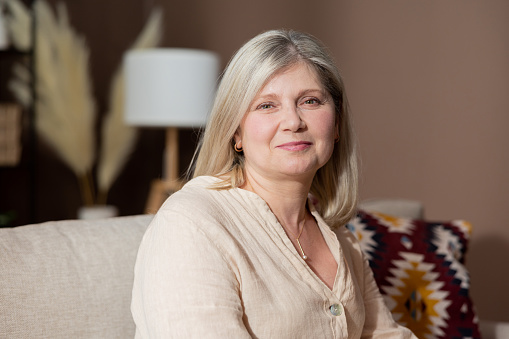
{"x":169,"y":86}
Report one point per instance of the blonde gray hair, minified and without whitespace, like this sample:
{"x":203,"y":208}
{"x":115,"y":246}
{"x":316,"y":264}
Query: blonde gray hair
{"x":254,"y":64}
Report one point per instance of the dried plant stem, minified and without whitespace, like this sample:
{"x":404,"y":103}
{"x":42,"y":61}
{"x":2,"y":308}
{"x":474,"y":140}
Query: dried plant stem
{"x":118,"y":139}
{"x":86,"y":188}
{"x":102,"y":197}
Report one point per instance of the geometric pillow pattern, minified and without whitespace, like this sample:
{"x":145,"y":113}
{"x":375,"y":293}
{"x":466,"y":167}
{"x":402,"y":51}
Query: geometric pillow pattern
{"x":419,"y":269}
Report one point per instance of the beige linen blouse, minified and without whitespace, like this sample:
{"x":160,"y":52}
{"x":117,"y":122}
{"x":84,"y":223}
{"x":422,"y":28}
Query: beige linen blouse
{"x":217,"y":264}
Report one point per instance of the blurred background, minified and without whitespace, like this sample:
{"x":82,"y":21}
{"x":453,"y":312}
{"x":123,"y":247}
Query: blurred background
{"x":428,"y":84}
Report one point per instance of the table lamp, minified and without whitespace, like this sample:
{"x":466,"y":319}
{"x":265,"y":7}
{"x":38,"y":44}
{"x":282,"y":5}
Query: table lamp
{"x":171,"y":88}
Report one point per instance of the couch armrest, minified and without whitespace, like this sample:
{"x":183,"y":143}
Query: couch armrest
{"x":494,"y":329}
{"x":402,"y":208}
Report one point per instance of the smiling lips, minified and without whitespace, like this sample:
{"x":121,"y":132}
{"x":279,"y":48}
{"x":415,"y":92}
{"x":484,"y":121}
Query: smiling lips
{"x":295,"y":145}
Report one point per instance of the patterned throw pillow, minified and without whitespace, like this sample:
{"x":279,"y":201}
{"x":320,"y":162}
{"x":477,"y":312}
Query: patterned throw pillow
{"x":419,"y":268}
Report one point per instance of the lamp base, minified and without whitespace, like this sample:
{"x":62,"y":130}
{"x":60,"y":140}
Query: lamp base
{"x":160,"y":190}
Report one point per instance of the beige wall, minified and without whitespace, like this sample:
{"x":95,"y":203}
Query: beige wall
{"x":428,"y":83}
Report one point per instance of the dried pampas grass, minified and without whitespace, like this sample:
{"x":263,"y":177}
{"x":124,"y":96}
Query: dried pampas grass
{"x":18,"y":24}
{"x":65,"y":107}
{"x":118,"y":139}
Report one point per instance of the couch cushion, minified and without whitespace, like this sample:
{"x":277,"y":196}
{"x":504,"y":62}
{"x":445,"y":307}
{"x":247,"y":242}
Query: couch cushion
{"x":419,"y":268}
{"x":69,"y":279}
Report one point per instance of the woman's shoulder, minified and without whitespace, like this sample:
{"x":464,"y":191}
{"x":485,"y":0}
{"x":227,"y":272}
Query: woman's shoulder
{"x":197,"y":194}
{"x":198,"y":211}
{"x":199,"y":204}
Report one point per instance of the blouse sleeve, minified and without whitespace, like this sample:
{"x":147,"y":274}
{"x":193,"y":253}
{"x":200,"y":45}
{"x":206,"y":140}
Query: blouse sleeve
{"x":183,"y":286}
{"x":379,"y":322}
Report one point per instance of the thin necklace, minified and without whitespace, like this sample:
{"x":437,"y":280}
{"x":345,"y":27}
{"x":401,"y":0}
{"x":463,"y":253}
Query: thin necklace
{"x":304,"y":256}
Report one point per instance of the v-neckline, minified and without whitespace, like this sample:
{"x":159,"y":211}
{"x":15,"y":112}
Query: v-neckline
{"x":333,"y":244}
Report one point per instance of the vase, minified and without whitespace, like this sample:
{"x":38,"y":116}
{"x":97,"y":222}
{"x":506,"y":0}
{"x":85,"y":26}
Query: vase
{"x":97,"y":212}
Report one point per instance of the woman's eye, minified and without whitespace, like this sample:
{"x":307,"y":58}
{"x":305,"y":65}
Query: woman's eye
{"x":265,"y":106}
{"x":311,"y":101}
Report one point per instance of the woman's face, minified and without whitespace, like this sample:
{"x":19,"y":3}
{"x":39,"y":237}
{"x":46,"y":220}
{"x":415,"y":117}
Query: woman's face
{"x":290,"y":127}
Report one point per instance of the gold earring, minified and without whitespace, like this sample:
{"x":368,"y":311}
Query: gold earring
{"x":237,"y":149}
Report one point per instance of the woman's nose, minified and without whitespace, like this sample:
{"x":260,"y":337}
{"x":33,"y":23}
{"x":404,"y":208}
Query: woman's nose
{"x":291,"y":119}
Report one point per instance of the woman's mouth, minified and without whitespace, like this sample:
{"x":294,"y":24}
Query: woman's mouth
{"x":295,"y":145}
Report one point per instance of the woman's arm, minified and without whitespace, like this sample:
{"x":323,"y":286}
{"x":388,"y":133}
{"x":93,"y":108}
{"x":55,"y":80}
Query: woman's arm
{"x":379,"y":322}
{"x":184,"y":285}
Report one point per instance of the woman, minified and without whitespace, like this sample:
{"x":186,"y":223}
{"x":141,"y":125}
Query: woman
{"x":242,"y":251}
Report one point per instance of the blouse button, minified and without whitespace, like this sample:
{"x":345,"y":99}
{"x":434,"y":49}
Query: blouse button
{"x":336,"y":309}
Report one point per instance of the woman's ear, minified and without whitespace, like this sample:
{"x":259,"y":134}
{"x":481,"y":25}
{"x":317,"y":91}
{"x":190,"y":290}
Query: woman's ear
{"x":336,"y":132}
{"x":237,"y":145}
{"x":236,"y":136}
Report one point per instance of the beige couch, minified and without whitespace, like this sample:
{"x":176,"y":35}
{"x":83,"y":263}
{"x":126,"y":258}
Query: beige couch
{"x":73,"y":279}
{"x":69,"y":279}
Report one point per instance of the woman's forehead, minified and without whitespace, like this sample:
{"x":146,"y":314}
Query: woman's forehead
{"x":289,"y":73}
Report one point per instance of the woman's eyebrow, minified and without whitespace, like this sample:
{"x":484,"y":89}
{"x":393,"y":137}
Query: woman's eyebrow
{"x":265,"y":96}
{"x":312,"y":91}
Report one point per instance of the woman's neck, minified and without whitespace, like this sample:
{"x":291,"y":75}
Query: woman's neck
{"x":286,"y":199}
